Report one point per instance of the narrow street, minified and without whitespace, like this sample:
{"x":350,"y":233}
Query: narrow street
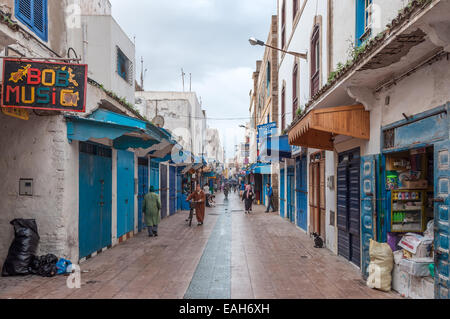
{"x":232,"y":255}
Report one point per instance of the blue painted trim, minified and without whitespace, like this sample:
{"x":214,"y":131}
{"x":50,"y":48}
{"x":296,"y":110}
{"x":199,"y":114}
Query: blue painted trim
{"x":359,"y":25}
{"x":412,"y":119}
{"x":119,"y":119}
{"x":124,"y":142}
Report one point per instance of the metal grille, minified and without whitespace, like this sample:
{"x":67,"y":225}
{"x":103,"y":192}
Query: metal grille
{"x":389,"y":138}
{"x":93,"y":149}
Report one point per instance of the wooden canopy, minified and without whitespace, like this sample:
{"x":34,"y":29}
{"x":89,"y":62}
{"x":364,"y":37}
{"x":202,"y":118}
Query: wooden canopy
{"x":318,"y":127}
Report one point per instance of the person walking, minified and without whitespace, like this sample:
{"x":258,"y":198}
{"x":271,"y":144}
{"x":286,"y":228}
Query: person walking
{"x":269,"y":198}
{"x":151,"y":207}
{"x":199,"y":198}
{"x":248,"y":197}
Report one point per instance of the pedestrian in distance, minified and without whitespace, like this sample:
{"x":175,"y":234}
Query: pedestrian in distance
{"x":151,"y":207}
{"x":199,"y":198}
{"x":248,"y":197}
{"x":269,"y":198}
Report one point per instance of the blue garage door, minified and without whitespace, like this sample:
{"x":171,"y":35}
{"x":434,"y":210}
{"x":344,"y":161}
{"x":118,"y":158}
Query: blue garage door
{"x":282,"y":193}
{"x":95,"y":198}
{"x":302,"y":192}
{"x":142,"y":188}
{"x":163,"y":190}
{"x":172,"y":190}
{"x":125,"y":192}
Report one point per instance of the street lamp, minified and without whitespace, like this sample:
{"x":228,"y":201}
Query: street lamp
{"x":254,"y":41}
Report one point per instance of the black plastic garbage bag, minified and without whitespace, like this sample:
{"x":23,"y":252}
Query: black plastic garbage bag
{"x":22,"y":249}
{"x":44,"y":266}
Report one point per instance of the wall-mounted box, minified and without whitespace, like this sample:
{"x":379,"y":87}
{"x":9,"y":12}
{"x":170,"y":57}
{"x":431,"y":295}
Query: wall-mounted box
{"x":25,"y":187}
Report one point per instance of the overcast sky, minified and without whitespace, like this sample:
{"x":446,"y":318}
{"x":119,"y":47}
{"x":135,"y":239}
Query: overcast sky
{"x":208,"y":38}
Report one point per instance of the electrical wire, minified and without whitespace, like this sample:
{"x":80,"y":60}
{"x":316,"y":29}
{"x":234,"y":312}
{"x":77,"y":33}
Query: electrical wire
{"x":224,"y":118}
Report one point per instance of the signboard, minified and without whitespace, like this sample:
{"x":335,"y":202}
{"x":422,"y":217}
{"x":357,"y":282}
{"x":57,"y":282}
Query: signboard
{"x":44,"y":85}
{"x":267,"y":129}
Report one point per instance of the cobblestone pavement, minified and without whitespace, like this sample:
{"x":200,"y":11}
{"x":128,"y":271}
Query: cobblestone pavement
{"x":232,"y":255}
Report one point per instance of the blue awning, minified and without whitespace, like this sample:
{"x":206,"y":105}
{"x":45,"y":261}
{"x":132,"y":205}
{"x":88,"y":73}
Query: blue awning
{"x":275,"y":148}
{"x":125,"y":132}
{"x":262,"y":168}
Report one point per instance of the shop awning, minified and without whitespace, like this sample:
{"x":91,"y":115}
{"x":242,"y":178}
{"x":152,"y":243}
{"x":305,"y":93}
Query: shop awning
{"x":319,"y":126}
{"x":125,"y":131}
{"x":262,"y":168}
{"x":275,"y":148}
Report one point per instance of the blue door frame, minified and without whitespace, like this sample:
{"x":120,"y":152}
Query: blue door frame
{"x":95,"y":198}
{"x":143,"y":188}
{"x":282,"y":193}
{"x":154,"y":176}
{"x":172,"y":190}
{"x":291,"y":194}
{"x":125,"y":192}
{"x":179,"y":188}
{"x":302,"y":192}
{"x":164,"y":190}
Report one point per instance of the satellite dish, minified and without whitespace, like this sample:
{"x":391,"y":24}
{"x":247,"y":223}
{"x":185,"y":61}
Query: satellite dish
{"x":158,"y":120}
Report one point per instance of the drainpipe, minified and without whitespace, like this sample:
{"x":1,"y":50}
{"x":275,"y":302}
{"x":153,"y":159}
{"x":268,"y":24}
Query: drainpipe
{"x":85,"y":42}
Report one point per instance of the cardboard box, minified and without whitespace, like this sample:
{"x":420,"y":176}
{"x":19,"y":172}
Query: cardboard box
{"x":420,"y":184}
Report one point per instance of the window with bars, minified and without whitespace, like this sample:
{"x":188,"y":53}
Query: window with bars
{"x":283,"y":25}
{"x":33,"y":13}
{"x":295,"y":89}
{"x":124,"y":67}
{"x":315,"y":61}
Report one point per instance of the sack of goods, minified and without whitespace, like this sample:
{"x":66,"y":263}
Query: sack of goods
{"x":22,"y":249}
{"x":380,"y":267}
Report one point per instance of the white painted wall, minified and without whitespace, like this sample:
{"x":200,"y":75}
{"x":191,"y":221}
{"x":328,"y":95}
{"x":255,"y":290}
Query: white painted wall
{"x":344,"y":24}
{"x":182,"y":113}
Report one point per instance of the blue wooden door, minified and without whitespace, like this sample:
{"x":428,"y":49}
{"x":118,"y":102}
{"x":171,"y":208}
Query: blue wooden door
{"x":441,"y":219}
{"x":142,"y":188}
{"x":368,"y":207}
{"x":282,"y":193}
{"x":179,"y":189}
{"x":125,"y":192}
{"x":95,"y":198}
{"x":302,"y":192}
{"x":291,"y":194}
{"x":154,"y":175}
{"x":164,"y":190}
{"x":172,"y":190}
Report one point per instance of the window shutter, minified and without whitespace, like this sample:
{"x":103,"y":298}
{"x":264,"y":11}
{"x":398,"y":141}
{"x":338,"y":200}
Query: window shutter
{"x":24,"y":11}
{"x":34,"y":14}
{"x":38,"y":15}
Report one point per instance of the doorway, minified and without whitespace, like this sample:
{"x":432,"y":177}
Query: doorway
{"x":348,"y":206}
{"x":317,"y":194}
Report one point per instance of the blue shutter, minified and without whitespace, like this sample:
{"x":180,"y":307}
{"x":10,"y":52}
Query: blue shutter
{"x":360,"y":13}
{"x":368,"y":207}
{"x":33,"y":13}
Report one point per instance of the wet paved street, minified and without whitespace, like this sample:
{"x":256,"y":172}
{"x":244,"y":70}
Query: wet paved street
{"x":232,"y":255}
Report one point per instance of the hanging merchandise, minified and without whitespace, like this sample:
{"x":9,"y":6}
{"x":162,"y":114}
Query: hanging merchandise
{"x":22,"y":249}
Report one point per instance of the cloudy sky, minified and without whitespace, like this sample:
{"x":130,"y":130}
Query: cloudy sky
{"x":208,"y":38}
